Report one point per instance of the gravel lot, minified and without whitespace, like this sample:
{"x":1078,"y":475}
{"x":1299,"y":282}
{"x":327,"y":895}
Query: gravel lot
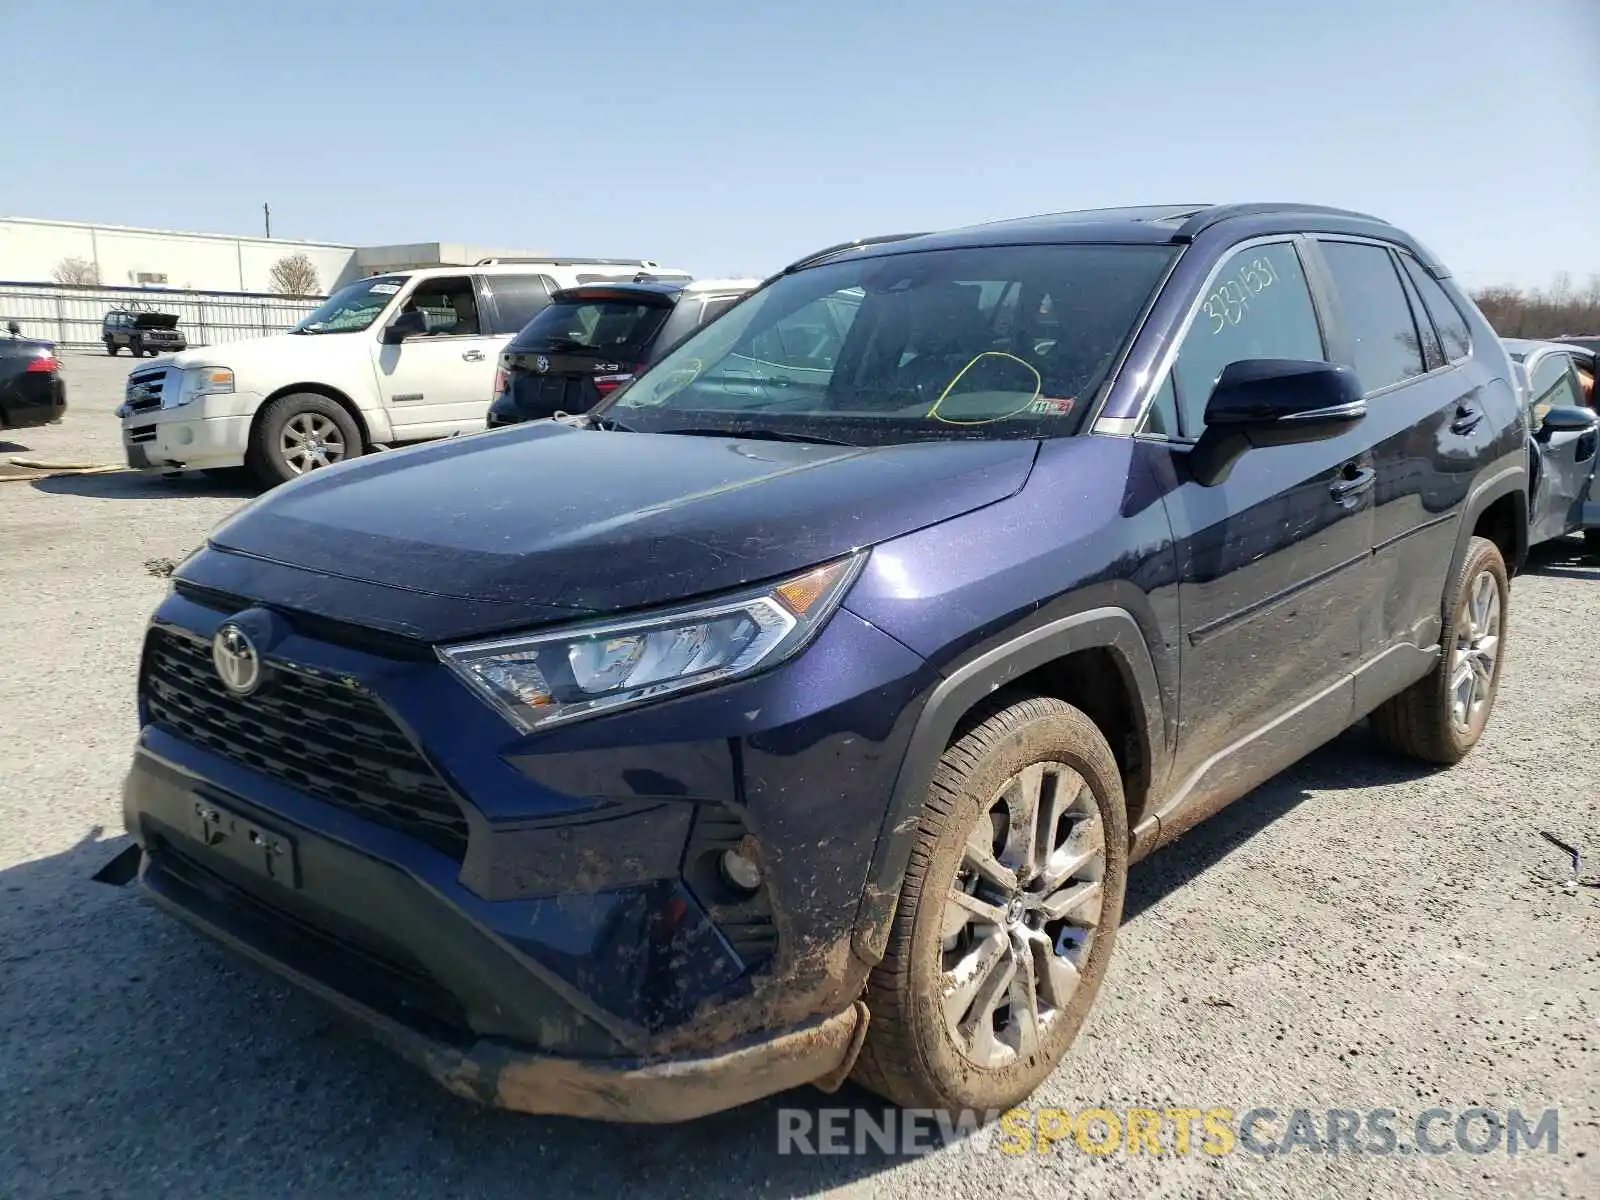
{"x":1359,"y":933}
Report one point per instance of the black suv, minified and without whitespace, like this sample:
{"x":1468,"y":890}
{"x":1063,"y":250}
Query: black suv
{"x":799,"y":710}
{"x":594,"y":338}
{"x":141,"y":332}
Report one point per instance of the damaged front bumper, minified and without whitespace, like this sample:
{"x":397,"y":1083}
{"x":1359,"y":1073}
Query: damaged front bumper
{"x":498,"y":1075}
{"x":542,"y":928}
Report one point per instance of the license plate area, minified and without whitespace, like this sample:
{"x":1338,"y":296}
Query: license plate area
{"x":256,"y":847}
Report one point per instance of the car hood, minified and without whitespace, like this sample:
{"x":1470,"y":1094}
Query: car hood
{"x":272,"y":352}
{"x":544,"y":521}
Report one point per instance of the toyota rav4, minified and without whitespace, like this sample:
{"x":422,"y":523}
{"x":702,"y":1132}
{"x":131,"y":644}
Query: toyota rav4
{"x":798,"y":712}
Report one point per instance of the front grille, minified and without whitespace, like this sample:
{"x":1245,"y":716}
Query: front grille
{"x":145,"y":388}
{"x":323,"y":737}
{"x":142,"y":433}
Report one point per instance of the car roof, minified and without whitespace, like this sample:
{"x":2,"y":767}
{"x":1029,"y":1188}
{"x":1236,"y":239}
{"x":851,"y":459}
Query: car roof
{"x":1150,"y":224}
{"x":1527,"y":346}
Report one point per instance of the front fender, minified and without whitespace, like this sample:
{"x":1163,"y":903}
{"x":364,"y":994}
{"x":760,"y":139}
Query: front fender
{"x":1106,"y":627}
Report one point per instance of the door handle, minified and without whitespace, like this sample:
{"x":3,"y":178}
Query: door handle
{"x":1467,"y":418}
{"x":1352,"y":482}
{"x":472,"y":356}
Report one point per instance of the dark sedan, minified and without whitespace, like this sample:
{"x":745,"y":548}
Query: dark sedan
{"x":31,"y":388}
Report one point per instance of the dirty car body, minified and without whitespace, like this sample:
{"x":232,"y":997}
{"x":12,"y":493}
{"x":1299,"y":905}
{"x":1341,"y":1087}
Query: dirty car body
{"x":393,"y":747}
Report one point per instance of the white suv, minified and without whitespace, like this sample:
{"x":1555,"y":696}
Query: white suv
{"x":400,"y":357}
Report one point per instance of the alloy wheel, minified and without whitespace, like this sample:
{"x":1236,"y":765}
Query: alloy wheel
{"x":1476,"y":652}
{"x":311,"y":440}
{"x":1022,"y":913}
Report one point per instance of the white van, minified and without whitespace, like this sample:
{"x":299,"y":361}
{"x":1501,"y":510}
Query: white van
{"x":399,"y":357}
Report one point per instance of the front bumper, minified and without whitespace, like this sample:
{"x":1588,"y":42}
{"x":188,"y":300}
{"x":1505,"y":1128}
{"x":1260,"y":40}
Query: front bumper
{"x":186,"y":438}
{"x":391,"y":1004}
{"x":574,"y":957}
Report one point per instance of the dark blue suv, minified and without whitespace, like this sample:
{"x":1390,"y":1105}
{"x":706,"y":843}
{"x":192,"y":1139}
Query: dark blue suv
{"x":797,"y":712}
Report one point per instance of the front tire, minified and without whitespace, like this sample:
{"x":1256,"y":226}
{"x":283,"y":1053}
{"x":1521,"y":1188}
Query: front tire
{"x":1441,"y":717}
{"x":1007,"y":915}
{"x":300,"y":433}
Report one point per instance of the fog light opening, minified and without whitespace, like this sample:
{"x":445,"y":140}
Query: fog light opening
{"x":739,"y":872}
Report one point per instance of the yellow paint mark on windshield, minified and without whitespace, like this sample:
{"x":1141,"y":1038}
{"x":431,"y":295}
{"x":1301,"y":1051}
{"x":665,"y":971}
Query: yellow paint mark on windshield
{"x":1038,"y":387}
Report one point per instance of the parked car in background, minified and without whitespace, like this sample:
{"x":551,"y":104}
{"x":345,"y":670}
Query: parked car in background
{"x":141,"y":332}
{"x":799,"y":710}
{"x":394,"y":358}
{"x":594,"y":338}
{"x":1556,"y":381}
{"x":31,"y":389}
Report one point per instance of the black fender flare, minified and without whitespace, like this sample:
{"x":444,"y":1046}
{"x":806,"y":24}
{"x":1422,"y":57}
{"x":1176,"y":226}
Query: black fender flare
{"x":1108,"y":628}
{"x":1507,"y":481}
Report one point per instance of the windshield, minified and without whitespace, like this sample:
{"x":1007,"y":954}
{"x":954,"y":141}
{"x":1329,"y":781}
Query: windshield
{"x":989,"y":342}
{"x":615,"y":328}
{"x":353,"y":307}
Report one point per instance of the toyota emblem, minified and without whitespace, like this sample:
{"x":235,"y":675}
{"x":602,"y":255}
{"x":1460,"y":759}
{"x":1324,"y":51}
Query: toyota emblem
{"x":237,"y":662}
{"x":541,"y":364}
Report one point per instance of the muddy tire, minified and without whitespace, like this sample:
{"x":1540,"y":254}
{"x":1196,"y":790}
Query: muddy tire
{"x":1440,"y":718}
{"x":1008,"y":912}
{"x":299,"y":433}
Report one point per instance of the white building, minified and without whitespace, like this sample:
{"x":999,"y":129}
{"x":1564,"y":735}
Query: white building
{"x":34,"y":251}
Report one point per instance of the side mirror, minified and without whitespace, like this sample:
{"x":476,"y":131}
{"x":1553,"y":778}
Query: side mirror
{"x":1567,"y":418}
{"x":1273,"y":402}
{"x":407,"y":324}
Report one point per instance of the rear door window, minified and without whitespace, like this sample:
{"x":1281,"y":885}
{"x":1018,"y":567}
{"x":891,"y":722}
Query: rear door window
{"x":1447,"y":318}
{"x":1384,"y":344}
{"x":517,"y":299}
{"x":1259,"y":306}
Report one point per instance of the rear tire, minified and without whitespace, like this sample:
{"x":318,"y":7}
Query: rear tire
{"x":1001,"y":937}
{"x":111,"y":349}
{"x":1441,"y":717}
{"x":299,"y":433}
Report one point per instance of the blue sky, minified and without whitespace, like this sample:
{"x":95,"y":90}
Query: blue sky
{"x":728,"y":136}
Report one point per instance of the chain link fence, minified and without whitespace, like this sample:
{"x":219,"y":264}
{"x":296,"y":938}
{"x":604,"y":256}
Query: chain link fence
{"x":72,"y":316}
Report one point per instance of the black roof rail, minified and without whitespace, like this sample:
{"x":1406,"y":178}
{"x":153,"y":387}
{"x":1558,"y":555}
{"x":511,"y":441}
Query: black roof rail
{"x":1215,"y":215}
{"x":851,"y":245}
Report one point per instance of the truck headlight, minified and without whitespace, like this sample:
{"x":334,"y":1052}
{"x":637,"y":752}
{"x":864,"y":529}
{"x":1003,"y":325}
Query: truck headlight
{"x":202,"y":381}
{"x":546,"y":678}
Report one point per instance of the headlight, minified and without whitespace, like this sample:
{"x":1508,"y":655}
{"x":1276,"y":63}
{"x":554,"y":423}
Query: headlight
{"x":582,"y":670}
{"x":202,"y":381}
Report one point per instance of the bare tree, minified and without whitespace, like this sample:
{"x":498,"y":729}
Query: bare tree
{"x":77,"y":271}
{"x":295,"y":275}
{"x":1541,"y":314}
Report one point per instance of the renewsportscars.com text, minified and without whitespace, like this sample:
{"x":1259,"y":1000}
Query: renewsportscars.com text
{"x":1211,"y":1131}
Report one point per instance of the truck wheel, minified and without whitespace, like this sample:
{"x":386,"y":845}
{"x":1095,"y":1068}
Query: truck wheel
{"x":1440,"y":718}
{"x":300,"y":433}
{"x":1007,"y":914}
{"x":111,"y":349}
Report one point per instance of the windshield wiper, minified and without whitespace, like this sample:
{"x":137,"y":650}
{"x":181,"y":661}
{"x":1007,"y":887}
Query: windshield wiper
{"x":760,"y":435}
